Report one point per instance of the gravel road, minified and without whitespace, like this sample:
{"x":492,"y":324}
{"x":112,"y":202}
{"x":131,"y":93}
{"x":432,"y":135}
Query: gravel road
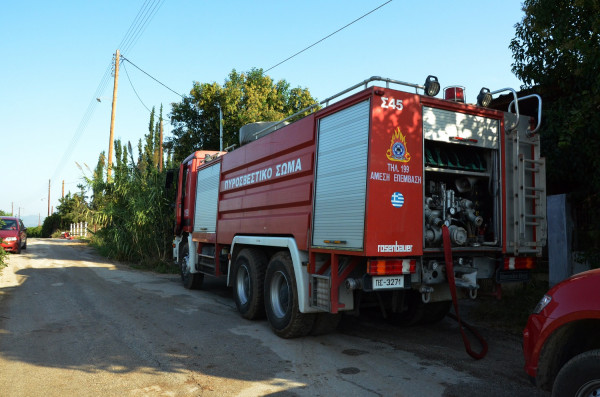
{"x":73,"y":323}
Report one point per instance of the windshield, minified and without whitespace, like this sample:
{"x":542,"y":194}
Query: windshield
{"x":9,"y":224}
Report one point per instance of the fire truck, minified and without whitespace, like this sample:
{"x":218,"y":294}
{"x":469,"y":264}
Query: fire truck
{"x":383,"y":195}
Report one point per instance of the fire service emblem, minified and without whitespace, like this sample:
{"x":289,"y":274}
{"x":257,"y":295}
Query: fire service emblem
{"x":397,"y":150}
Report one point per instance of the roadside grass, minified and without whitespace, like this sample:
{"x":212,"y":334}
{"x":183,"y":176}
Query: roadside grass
{"x":157,"y":266}
{"x":510,"y":313}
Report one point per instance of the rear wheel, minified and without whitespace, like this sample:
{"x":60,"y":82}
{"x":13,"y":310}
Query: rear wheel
{"x":580,"y":376}
{"x":281,"y":299}
{"x":434,"y":312}
{"x":414,"y":313}
{"x":190,"y":280}
{"x":248,"y":279}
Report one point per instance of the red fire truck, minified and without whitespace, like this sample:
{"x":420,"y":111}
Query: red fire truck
{"x":379,"y":197}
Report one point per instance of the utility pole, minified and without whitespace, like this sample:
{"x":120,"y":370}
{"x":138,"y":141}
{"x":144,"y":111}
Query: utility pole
{"x":160,"y":147}
{"x":220,"y":129}
{"x":63,"y":189}
{"x":49,"y":197}
{"x":112,"y":117}
{"x":12,"y":208}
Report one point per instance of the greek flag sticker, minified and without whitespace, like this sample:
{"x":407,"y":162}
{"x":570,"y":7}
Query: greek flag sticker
{"x":397,"y":199}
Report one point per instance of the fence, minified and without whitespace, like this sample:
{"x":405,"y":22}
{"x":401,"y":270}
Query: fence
{"x":78,"y":229}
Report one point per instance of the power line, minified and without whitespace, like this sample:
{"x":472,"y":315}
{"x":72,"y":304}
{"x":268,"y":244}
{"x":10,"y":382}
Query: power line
{"x":134,"y":90}
{"x":328,"y":36}
{"x":146,"y":73}
{"x":136,"y":29}
{"x":142,"y":27}
{"x":138,"y":96}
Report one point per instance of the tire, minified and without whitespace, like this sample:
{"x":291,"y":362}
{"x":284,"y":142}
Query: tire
{"x":248,"y":283}
{"x":579,"y":377}
{"x":25,"y":245}
{"x":435,"y":312}
{"x":189,"y":280}
{"x":281,"y":299}
{"x":325,"y":323}
{"x":414,"y":313}
{"x":18,"y":251}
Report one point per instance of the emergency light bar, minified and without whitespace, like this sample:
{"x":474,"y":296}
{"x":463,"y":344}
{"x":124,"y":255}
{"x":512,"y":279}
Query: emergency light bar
{"x":455,"y":93}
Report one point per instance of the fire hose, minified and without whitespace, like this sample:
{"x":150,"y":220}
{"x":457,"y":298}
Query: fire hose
{"x":452,"y":283}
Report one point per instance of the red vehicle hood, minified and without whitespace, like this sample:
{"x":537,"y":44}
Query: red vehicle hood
{"x":9,"y":233}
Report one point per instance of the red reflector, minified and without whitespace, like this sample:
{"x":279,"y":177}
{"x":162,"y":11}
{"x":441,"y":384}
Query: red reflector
{"x":392,"y":266}
{"x":523,"y":262}
{"x":456,"y":94}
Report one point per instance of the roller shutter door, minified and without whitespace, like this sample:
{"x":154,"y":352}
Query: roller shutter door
{"x":207,"y":198}
{"x":341,"y":178}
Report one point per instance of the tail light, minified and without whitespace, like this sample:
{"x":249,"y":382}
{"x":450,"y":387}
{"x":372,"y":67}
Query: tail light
{"x":391,"y":266}
{"x":523,"y":262}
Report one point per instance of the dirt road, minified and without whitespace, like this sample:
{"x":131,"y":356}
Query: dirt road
{"x":73,"y":323}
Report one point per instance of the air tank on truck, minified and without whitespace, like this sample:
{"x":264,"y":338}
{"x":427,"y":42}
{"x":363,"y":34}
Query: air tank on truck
{"x":386,"y":196}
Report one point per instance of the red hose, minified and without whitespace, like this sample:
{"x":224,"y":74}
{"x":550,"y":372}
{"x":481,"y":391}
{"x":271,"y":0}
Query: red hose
{"x":452,"y":283}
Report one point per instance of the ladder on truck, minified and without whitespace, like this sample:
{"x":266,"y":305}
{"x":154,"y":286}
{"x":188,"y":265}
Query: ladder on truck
{"x":529,"y":199}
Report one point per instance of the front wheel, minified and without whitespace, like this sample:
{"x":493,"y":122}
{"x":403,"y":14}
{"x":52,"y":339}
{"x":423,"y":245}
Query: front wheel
{"x":190,"y":280}
{"x":580,"y":376}
{"x":281,"y":299}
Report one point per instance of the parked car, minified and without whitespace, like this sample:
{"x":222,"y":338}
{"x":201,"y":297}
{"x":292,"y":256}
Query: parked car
{"x":561,"y":341}
{"x":13,"y":234}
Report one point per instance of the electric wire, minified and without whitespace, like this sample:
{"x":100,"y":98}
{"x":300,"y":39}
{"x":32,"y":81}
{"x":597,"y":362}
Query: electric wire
{"x":153,"y":78}
{"x":134,"y":32}
{"x":138,"y":96}
{"x":328,"y":36}
{"x":136,"y":29}
{"x":133,"y":26}
{"x":144,"y":25}
{"x":134,"y":90}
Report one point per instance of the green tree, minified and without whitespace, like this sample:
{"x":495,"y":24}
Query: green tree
{"x":557,"y":53}
{"x":557,"y":50}
{"x":244,"y":98}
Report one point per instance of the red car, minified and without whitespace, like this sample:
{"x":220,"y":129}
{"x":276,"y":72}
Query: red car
{"x":561,"y":341}
{"x":13,"y":234}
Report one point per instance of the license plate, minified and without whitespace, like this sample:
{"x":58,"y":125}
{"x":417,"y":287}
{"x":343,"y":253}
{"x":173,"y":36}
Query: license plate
{"x":388,"y":282}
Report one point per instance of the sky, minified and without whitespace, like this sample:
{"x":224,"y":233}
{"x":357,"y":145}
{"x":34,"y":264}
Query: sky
{"x":56,"y":59}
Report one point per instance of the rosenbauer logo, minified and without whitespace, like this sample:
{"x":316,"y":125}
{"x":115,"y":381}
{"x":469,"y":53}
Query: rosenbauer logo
{"x":395,"y":248}
{"x":279,"y":170}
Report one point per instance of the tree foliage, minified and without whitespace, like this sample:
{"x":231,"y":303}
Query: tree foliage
{"x":557,"y":53}
{"x":72,"y":208}
{"x":557,"y":50}
{"x":134,"y":210}
{"x":244,"y":98}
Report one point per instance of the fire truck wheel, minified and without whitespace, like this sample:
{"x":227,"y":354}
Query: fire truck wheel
{"x":434,"y":312}
{"x":190,"y":280}
{"x":281,"y":299}
{"x":413,"y":315}
{"x":248,"y":276}
{"x":325,"y":323}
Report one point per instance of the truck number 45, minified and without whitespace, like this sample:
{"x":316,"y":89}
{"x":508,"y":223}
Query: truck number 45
{"x":391,"y":103}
